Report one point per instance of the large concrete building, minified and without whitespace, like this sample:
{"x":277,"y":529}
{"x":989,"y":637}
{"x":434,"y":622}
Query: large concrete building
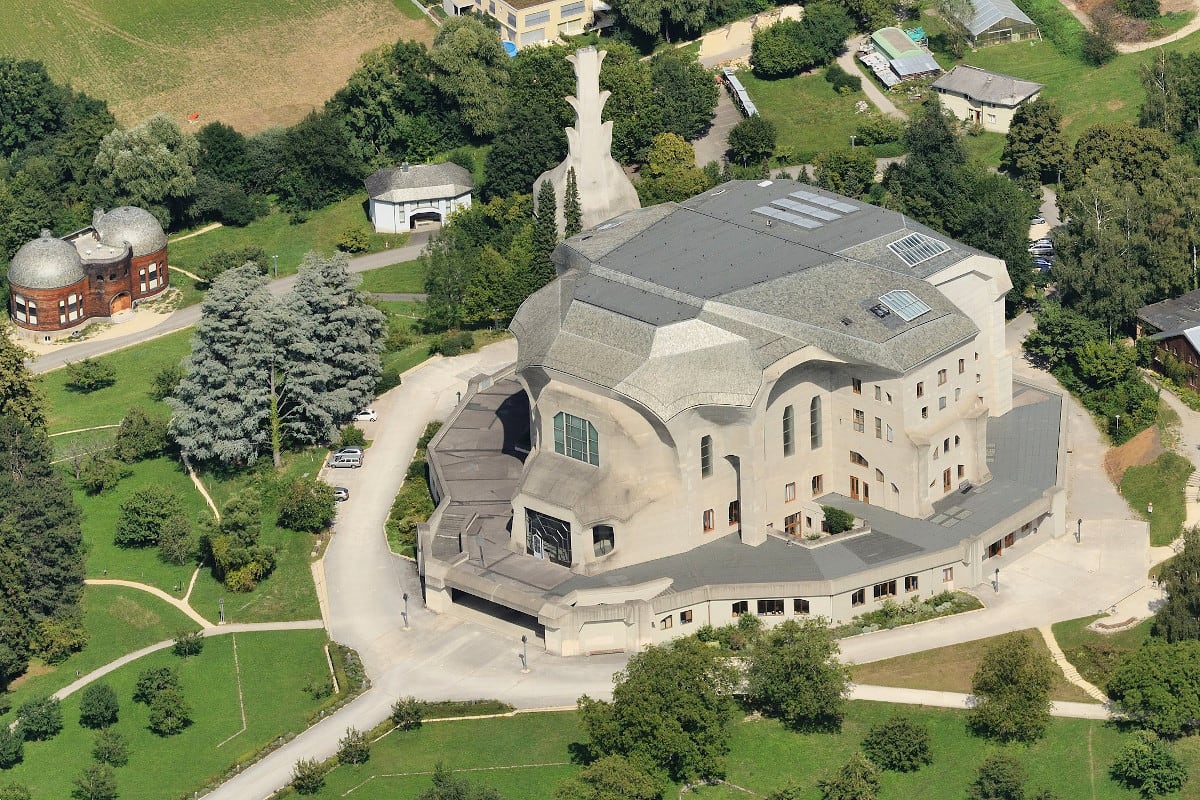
{"x":526,"y":22}
{"x":700,"y":382}
{"x":987,"y":99}
{"x":57,"y":286}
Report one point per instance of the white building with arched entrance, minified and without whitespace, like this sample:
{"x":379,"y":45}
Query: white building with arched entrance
{"x":403,"y":197}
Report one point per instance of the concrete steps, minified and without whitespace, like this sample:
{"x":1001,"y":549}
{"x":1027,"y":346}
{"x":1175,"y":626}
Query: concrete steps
{"x":1068,"y":669}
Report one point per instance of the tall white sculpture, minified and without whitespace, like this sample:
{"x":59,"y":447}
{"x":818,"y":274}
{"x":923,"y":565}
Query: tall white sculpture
{"x":604,"y":189}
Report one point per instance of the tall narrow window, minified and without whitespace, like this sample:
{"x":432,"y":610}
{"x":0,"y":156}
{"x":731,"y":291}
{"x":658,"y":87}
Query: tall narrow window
{"x":791,"y":524}
{"x":878,"y":428}
{"x":962,"y":366}
{"x":856,"y":385}
{"x":62,"y":312}
{"x":709,"y":520}
{"x":860,"y":421}
{"x":142,"y":279}
{"x":941,"y":376}
{"x":576,"y":437}
{"x":818,"y":485}
{"x":789,"y":431}
{"x":32,"y":312}
{"x":891,"y":435}
{"x":735,"y":512}
{"x":878,"y":392}
{"x":706,"y":459}
{"x":921,"y":389}
{"x":789,"y":492}
{"x":814,"y":423}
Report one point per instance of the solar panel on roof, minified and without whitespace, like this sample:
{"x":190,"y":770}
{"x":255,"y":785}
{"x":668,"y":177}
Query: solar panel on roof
{"x":917,"y":247}
{"x":905,"y":304}
{"x":788,"y":217}
{"x":804,"y":208}
{"x":828,"y":202}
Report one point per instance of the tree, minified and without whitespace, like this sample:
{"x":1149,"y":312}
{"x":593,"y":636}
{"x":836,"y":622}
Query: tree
{"x":98,"y":706}
{"x":632,"y":107}
{"x":318,"y":165}
{"x":221,"y":151}
{"x":40,"y":719}
{"x":1035,"y":146}
{"x":175,"y":544}
{"x":188,"y":643}
{"x":1133,"y":154}
{"x":140,"y":436}
{"x":658,"y":17}
{"x":96,"y":782}
{"x":1158,"y":686}
{"x":307,"y":506}
{"x":406,"y":713}
{"x":31,"y":105}
{"x":1147,"y":765}
{"x":1000,"y":777}
{"x":165,"y":381}
{"x":1178,"y":619}
{"x":684,"y":92}
{"x":111,"y":747}
{"x":668,"y":153}
{"x":21,"y":395}
{"x":447,"y":786}
{"x":143,"y":517}
{"x":470,"y":70}
{"x":1099,"y":41}
{"x":670,"y":172}
{"x":848,"y":171}
{"x":101,"y":473}
{"x":1059,"y":331}
{"x":354,"y":747}
{"x":1105,"y":364}
{"x":1012,"y":690}
{"x":232,"y":546}
{"x":223,"y":260}
{"x":89,"y":375}
{"x":1143,"y":9}
{"x":308,"y":776}
{"x":151,"y":165}
{"x":857,"y":779}
{"x":752,"y":140}
{"x":610,"y":778}
{"x":957,"y":14}
{"x":545,"y":232}
{"x":222,"y":407}
{"x":672,"y":706}
{"x":169,"y":713}
{"x":152,"y":681}
{"x":898,"y":745}
{"x":12,"y":747}
{"x":572,"y":210}
{"x":794,"y":674}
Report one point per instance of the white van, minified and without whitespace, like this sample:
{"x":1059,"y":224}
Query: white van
{"x":345,"y":460}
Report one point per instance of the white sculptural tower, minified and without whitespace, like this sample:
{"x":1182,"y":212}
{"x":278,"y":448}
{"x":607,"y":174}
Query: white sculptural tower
{"x":604,"y":189}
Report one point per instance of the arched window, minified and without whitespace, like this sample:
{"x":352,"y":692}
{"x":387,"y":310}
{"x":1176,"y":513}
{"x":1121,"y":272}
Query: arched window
{"x":789,"y":431}
{"x":814,"y":423}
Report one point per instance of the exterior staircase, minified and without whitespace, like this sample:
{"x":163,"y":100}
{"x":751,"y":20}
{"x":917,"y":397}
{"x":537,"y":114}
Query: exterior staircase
{"x":1068,"y":669}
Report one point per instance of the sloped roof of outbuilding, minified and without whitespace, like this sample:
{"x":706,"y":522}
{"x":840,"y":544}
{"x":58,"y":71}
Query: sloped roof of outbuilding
{"x":989,"y":12}
{"x":45,"y":263}
{"x":418,"y":182}
{"x":134,"y":226}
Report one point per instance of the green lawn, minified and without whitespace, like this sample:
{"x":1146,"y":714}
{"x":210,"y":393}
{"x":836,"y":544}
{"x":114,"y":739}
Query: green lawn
{"x":135,"y":368}
{"x":409,"y":9}
{"x":142,"y":564}
{"x":1097,"y":655}
{"x":118,"y":621}
{"x":158,"y":768}
{"x":984,"y":148}
{"x":405,"y":277}
{"x":809,"y":116}
{"x":1161,"y":483}
{"x":525,"y":756}
{"x":276,"y":235}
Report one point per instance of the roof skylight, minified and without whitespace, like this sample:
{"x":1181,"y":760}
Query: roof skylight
{"x":904,"y":304}
{"x":917,"y":247}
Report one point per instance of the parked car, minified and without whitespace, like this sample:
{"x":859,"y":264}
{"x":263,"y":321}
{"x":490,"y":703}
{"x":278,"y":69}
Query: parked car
{"x":1041,"y":249}
{"x":341,"y":493}
{"x":1044,"y":264}
{"x":366,"y":415}
{"x":344,"y":461}
{"x":1038,"y":221}
{"x":350,"y":451}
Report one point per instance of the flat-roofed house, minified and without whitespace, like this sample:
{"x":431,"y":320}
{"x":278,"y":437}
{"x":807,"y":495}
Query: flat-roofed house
{"x":988,"y":99}
{"x":526,"y":22}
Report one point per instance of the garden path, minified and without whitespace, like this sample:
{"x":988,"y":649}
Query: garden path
{"x":1068,"y":669}
{"x":182,"y":605}
{"x":925,"y":697}
{"x":848,"y":62}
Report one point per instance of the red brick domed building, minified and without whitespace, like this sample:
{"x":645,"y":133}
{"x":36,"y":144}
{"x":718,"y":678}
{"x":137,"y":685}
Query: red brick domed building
{"x":57,"y":286}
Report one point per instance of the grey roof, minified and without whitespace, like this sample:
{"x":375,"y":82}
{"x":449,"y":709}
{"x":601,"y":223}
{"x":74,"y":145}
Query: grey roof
{"x":681,"y":305}
{"x":1173,"y":316}
{"x":45,"y":263}
{"x":987,"y":87}
{"x":990,"y":12}
{"x":916,"y":64}
{"x":133,"y":226}
{"x":418,"y":182}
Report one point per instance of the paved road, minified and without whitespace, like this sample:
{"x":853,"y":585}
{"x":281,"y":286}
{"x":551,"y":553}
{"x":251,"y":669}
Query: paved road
{"x":848,"y":62}
{"x":187,"y":317}
{"x":713,"y":144}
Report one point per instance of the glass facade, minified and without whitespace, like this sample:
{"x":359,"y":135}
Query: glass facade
{"x":548,"y":536}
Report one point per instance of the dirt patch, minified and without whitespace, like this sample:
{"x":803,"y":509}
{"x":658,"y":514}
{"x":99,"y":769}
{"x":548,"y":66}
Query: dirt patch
{"x":1138,"y":451}
{"x":133,"y":614}
{"x":36,"y":669}
{"x":1113,"y":105}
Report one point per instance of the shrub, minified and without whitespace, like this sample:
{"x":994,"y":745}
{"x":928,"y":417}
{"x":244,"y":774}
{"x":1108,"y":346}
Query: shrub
{"x":1148,"y":766}
{"x":98,"y":707}
{"x":140,"y":436}
{"x":836,"y":520}
{"x":12,"y":747}
{"x":352,"y":436}
{"x":58,"y":637}
{"x":89,"y":375}
{"x":188,"y":643}
{"x":406,"y":713}
{"x":353,"y":748}
{"x":15,"y":791}
{"x":169,"y":713}
{"x":96,"y":782}
{"x":307,"y":506}
{"x":354,"y":240}
{"x":165,"y":381}
{"x":175,"y":544}
{"x":101,"y":473}
{"x":1000,"y":777}
{"x":41,"y":719}
{"x":223,"y":260}
{"x":875,"y":129}
{"x":111,"y":748}
{"x":152,"y":681}
{"x":308,"y":776}
{"x":898,"y":745}
{"x":843,"y":82}
{"x":143,"y":517}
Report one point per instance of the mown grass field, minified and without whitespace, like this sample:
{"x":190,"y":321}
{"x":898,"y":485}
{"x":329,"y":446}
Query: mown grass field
{"x":118,"y":621}
{"x":1160,"y":482}
{"x":809,"y":116}
{"x":407,"y":277}
{"x":253,"y":64}
{"x":275,"y":704}
{"x":525,"y":756}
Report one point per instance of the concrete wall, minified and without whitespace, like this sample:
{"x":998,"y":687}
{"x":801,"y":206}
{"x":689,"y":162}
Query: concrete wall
{"x":992,"y":117}
{"x":390,"y":217}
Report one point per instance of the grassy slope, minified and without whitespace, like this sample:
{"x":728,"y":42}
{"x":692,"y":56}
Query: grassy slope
{"x":405,"y":277}
{"x":1094,"y":654}
{"x":118,"y":621}
{"x":275,"y":705}
{"x":809,"y":116}
{"x":1161,"y":483}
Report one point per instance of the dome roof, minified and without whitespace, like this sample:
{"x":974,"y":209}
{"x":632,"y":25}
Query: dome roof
{"x":45,"y":263}
{"x":136,"y":226}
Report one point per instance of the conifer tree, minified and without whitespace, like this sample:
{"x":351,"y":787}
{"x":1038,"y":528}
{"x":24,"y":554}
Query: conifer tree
{"x":572,"y":210}
{"x":545,"y":233}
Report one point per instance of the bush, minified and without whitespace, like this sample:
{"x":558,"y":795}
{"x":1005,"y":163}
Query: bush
{"x":452,"y":343}
{"x":89,"y":375}
{"x":752,"y":140}
{"x":59,"y":637}
{"x":169,"y":713}
{"x":175,"y":544}
{"x":98,"y":707}
{"x":41,"y":719}
{"x":843,"y":82}
{"x":15,"y":791}
{"x":307,"y":506}
{"x":12,"y":747}
{"x":188,"y":643}
{"x":101,"y":473}
{"x":140,"y":436}
{"x":1147,"y":765}
{"x":144,"y":514}
{"x":352,"y":436}
{"x":898,"y":745}
{"x":876,"y":129}
{"x":308,"y":776}
{"x":152,"y":681}
{"x":354,"y":240}
{"x":836,"y":520}
{"x":212,"y":267}
{"x":111,"y":748}
{"x":353,"y":748}
{"x":166,"y":380}
{"x":406,"y":713}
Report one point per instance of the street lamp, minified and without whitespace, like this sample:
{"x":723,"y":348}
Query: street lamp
{"x":276,"y":259}
{"x":524,"y":653}
{"x":221,"y":610}
{"x":1078,"y":530}
{"x":405,"y":612}
{"x":853,"y":138}
{"x":1118,"y":433}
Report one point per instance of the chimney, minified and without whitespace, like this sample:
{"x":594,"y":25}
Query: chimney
{"x":96,"y":215}
{"x":404,"y":167}
{"x":46,"y":234}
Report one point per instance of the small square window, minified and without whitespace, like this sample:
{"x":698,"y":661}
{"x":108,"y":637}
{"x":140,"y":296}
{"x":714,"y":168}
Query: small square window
{"x":685,"y":617}
{"x":800,"y":606}
{"x":924,"y":412}
{"x":941,"y":376}
{"x":856,"y":385}
{"x":921,"y":389}
{"x":859,"y":597}
{"x":947,"y":574}
{"x":911,"y":584}
{"x":789,"y":492}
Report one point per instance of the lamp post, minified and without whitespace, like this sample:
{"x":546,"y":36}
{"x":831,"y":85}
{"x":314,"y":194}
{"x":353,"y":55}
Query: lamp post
{"x":524,"y":653}
{"x":404,"y":613}
{"x":1118,"y":433}
{"x":276,"y":259}
{"x":1078,"y":530}
{"x":853,"y":139}
{"x":221,"y":610}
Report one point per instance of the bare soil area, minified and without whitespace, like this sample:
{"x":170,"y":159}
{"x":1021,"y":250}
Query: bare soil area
{"x":1138,"y":451}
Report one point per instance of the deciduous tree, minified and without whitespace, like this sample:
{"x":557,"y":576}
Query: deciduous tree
{"x":795,"y":675}
{"x":1178,"y":619}
{"x":1035,"y":145}
{"x":448,"y":786}
{"x":307,"y":506}
{"x":317,"y":163}
{"x":96,"y":782}
{"x":898,"y":744}
{"x":610,"y":778}
{"x":40,"y":719}
{"x":140,"y":436}
{"x":471,"y":70}
{"x":1147,"y":765}
{"x":1000,"y":777}
{"x":151,"y":165}
{"x":110,"y":748}
{"x":98,"y":706}
{"x":143,"y":517}
{"x":21,"y":395}
{"x":354,"y":747}
{"x":308,"y":776}
{"x":1012,"y":690}
{"x":848,"y":171}
{"x":1158,"y":686}
{"x":169,"y":713}
{"x":857,"y":779}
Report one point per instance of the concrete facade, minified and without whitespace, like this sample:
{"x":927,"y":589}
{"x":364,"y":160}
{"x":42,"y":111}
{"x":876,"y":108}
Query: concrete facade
{"x":983,"y":98}
{"x":689,"y":418}
{"x":526,"y":22}
{"x":398,"y":196}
